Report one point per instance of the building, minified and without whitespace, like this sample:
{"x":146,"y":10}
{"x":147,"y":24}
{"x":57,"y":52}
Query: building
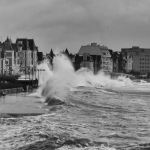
{"x":140,"y":58}
{"x":8,"y":60}
{"x":26,"y":54}
{"x":18,"y":57}
{"x":76,"y":60}
{"x":50,"y":57}
{"x":114,"y":59}
{"x":107,"y":64}
{"x":87,"y":62}
{"x":39,"y":57}
{"x":128,"y":63}
{"x":100,"y":56}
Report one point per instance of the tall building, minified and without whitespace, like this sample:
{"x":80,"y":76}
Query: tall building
{"x":140,"y":58}
{"x":18,"y":57}
{"x":27,"y":54}
{"x":8,"y":50}
{"x":100,"y":56}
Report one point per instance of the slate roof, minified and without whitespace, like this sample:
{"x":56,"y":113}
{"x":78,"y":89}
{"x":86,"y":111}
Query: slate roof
{"x":8,"y":45}
{"x":92,"y":50}
{"x":95,"y":49}
{"x":8,"y":40}
{"x":27,"y":44}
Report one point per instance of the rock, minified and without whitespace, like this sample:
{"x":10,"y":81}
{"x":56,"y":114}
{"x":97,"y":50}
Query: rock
{"x":54,"y":101}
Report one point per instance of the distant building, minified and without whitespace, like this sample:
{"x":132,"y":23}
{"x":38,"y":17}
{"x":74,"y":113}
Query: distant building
{"x":140,"y":58}
{"x":50,"y":57}
{"x":87,"y":62}
{"x":39,"y":57}
{"x":114,"y":59}
{"x":27,"y":54}
{"x":9,"y":50}
{"x":100,"y":56}
{"x":128,"y":64}
{"x":76,"y":60}
{"x":18,"y":57}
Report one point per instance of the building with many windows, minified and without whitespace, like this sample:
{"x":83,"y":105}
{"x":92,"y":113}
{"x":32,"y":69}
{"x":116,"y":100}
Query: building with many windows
{"x":140,"y":58}
{"x":26,"y":54}
{"x":18,"y":57}
{"x":8,"y":56}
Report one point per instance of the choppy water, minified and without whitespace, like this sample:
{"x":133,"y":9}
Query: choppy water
{"x":120,"y":117}
{"x":115,"y":113}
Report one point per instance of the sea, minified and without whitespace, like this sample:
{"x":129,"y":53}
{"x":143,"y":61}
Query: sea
{"x":85,"y":111}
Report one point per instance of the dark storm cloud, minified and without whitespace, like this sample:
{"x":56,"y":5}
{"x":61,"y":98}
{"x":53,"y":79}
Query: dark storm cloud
{"x":71,"y":23}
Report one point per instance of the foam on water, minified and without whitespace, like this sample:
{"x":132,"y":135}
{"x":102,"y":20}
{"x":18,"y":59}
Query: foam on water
{"x":57,"y":82}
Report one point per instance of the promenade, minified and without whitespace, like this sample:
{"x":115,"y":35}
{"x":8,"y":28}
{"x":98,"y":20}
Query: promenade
{"x":21,"y":103}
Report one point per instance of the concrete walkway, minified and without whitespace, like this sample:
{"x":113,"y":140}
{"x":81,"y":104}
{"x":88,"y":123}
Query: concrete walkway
{"x":20,"y":104}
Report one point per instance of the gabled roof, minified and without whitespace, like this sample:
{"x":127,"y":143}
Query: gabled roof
{"x":92,"y":50}
{"x":8,"y":45}
{"x":8,"y":40}
{"x":51,"y":52}
{"x":66,"y":51}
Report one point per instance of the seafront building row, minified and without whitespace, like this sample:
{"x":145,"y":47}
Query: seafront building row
{"x":96,"y":57}
{"x":20,"y":57}
{"x":23,"y":56}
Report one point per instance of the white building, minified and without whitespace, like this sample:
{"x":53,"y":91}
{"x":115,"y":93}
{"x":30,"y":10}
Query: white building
{"x":140,"y":58}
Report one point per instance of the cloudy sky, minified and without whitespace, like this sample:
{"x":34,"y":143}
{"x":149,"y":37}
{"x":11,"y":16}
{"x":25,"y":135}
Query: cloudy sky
{"x":58,"y":24}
